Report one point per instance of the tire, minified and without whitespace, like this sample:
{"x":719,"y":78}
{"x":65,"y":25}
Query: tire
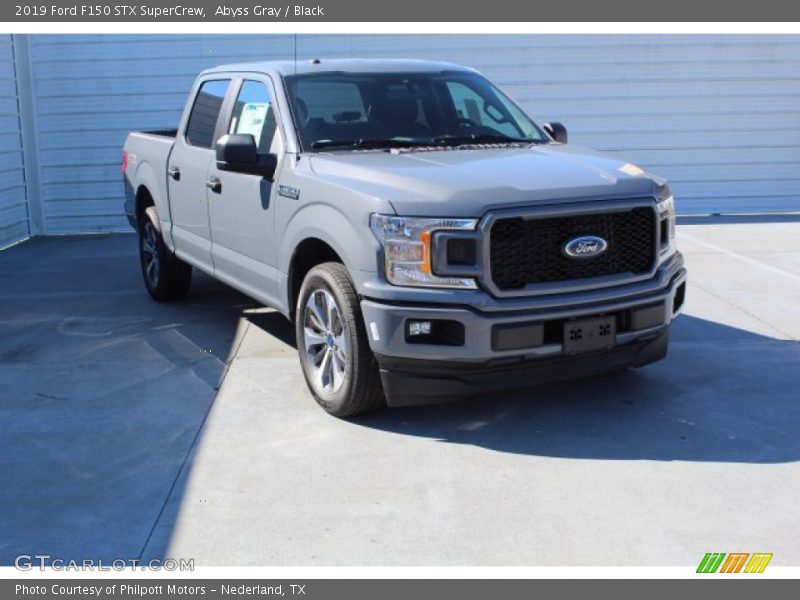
{"x":166,"y":277}
{"x":337,"y":362}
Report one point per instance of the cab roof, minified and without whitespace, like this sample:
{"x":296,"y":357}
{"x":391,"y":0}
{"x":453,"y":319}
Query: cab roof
{"x":347,"y":65}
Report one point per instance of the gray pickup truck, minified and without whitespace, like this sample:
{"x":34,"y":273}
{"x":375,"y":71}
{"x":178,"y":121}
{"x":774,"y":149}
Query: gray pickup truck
{"x":428,"y":239}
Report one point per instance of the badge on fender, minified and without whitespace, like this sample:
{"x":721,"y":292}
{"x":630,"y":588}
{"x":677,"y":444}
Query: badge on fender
{"x":289,"y":192}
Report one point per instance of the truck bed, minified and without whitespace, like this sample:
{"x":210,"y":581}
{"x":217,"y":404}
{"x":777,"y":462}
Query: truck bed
{"x":151,"y":148}
{"x":167,"y":133}
{"x":148,"y":154}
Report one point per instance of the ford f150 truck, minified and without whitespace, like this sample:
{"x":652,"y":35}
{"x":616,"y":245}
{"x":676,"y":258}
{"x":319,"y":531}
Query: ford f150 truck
{"x":428,"y":239}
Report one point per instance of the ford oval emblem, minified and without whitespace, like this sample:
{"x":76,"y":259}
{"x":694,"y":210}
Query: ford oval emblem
{"x":586,"y":246}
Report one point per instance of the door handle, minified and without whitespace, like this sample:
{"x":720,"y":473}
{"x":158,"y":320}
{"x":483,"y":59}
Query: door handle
{"x":175,"y":173}
{"x":215,"y":185}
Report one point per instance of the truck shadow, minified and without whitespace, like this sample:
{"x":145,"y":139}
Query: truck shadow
{"x":104,"y":392}
{"x":723,"y":394}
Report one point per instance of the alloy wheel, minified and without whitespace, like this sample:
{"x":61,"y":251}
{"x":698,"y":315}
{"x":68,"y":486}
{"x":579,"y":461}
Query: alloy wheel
{"x":150,"y":259}
{"x":324,"y":335}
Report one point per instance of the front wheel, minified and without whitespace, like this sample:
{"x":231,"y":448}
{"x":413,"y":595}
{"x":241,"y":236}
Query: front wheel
{"x":337,"y":362}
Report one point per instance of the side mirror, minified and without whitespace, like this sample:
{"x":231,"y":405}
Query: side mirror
{"x":557,"y":131}
{"x":238,"y":153}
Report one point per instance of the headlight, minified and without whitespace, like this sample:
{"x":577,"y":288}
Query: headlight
{"x":407,"y":249}
{"x":664,"y":197}
{"x":665,"y":204}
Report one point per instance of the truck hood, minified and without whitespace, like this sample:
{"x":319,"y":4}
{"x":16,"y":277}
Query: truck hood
{"x":467,"y":183}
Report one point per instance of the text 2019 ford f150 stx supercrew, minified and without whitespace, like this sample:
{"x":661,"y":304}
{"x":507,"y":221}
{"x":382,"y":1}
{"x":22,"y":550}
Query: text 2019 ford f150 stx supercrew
{"x":428,"y":239}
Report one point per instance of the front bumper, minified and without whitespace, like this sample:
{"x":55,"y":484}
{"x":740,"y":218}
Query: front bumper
{"x":478,"y":365}
{"x":408,"y":382}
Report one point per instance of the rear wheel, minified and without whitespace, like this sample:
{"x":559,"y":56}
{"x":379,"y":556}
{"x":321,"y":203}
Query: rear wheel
{"x":167,"y":277}
{"x":337,"y":362}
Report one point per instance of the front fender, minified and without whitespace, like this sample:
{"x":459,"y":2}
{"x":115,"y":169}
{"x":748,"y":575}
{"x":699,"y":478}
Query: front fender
{"x":348,"y":235}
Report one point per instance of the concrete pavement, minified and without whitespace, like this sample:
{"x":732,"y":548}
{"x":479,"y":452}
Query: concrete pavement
{"x":115,"y":444}
{"x":102,"y":393}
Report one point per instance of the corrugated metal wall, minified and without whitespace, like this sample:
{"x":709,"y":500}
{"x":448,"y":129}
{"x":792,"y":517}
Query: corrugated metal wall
{"x":718,"y":115}
{"x":13,"y":203}
{"x":92,"y":90}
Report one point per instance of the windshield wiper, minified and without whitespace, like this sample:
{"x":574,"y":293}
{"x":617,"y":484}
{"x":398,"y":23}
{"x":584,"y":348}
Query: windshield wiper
{"x":365,"y":144}
{"x":482,"y":138}
{"x":444,"y":140}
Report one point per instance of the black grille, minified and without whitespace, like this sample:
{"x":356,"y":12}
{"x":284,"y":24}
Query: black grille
{"x":524,"y":252}
{"x":461,"y":252}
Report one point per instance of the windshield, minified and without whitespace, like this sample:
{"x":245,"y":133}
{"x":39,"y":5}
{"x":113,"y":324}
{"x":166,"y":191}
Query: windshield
{"x":375,"y":110}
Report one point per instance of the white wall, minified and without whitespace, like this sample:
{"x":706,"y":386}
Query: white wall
{"x":13,"y":203}
{"x":718,"y":115}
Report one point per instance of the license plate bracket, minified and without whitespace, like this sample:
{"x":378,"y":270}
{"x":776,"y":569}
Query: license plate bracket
{"x":589,"y":335}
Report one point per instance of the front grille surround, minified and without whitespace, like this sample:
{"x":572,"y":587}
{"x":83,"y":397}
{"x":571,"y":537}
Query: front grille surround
{"x":570,"y":210}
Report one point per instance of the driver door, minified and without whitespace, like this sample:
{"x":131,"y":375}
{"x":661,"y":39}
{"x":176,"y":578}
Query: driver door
{"x":241,"y":211}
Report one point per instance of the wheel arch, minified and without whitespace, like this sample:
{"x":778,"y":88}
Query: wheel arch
{"x":309,"y":253}
{"x":150,"y":188}
{"x":319,"y":233}
{"x":143,"y":200}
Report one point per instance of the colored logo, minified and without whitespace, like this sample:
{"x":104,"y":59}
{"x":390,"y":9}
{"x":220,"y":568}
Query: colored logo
{"x":735,"y":562}
{"x":586,"y":246}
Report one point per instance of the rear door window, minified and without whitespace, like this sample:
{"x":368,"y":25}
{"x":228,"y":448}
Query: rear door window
{"x":202,"y":121}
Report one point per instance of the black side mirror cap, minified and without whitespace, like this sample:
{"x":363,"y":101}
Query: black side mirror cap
{"x":238,"y":153}
{"x":557,"y":131}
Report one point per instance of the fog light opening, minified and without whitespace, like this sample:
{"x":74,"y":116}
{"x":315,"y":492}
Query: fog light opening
{"x":437,"y":332}
{"x":419,"y":328}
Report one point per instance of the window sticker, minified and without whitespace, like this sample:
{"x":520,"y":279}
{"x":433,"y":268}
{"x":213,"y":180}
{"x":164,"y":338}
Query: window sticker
{"x":252,"y":118}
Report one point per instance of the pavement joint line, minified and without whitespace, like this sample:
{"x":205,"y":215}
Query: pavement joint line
{"x":193,"y":444}
{"x":742,"y":257}
{"x":233,"y":355}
